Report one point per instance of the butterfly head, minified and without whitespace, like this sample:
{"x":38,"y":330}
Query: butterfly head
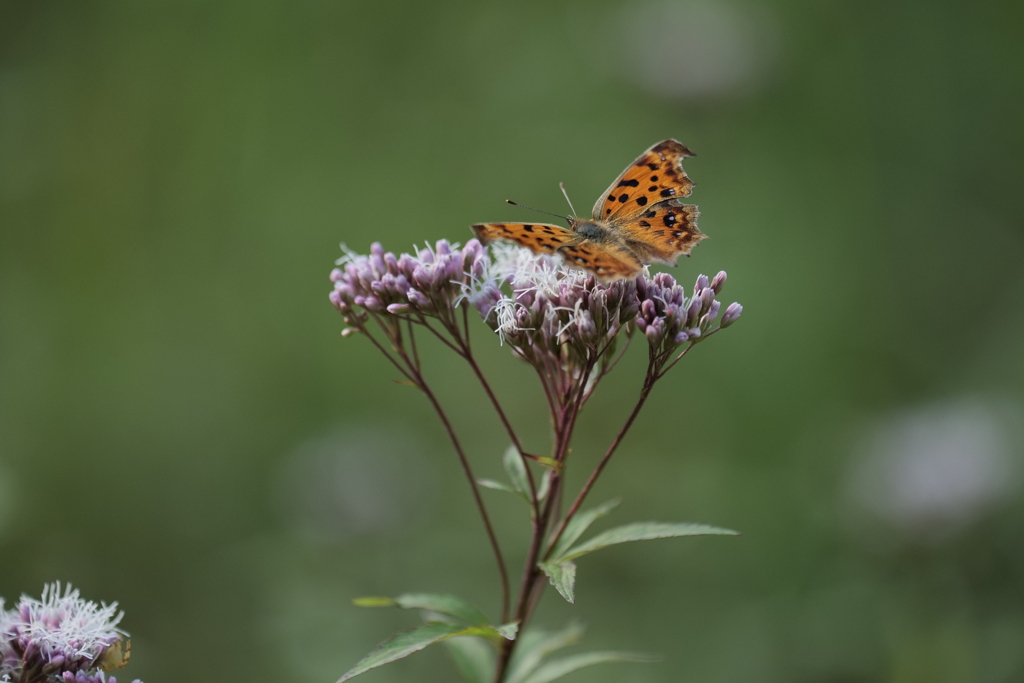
{"x":591,"y":230}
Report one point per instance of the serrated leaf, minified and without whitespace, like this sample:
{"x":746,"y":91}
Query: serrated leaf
{"x":473,"y":657}
{"x":516,"y":469}
{"x":563,"y":577}
{"x":405,"y":643}
{"x":536,"y":644}
{"x":496,"y":485}
{"x":580,"y":522}
{"x":560,"y":667}
{"x":642,"y":531}
{"x":436,"y":602}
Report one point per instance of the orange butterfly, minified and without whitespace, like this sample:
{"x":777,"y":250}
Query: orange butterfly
{"x":638,"y":221}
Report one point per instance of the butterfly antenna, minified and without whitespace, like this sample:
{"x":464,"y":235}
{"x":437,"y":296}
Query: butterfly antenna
{"x":566,"y":195}
{"x":537,"y":210}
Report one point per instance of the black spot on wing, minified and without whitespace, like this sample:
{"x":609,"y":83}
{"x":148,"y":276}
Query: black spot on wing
{"x":629,"y":183}
{"x":642,"y":201}
{"x":623,"y":197}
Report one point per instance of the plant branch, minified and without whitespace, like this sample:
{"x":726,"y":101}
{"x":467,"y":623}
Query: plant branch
{"x":421,"y":383}
{"x":649,"y":381}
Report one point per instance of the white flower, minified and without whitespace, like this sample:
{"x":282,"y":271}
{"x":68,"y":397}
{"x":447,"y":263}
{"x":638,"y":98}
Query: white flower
{"x":58,"y":633}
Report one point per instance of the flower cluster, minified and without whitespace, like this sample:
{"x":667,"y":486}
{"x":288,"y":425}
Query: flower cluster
{"x":551,"y":309}
{"x":60,"y":638}
{"x":669,"y":319}
{"x":561,"y":320}
{"x":429,"y":283}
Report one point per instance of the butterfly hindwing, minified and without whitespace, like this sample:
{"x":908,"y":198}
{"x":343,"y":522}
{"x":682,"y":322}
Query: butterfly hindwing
{"x":606,"y":261}
{"x":661,"y":233}
{"x":540,"y":238}
{"x":655,"y":176}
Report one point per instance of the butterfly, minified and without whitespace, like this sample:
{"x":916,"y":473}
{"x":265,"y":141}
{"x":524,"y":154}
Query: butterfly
{"x":639,"y":220}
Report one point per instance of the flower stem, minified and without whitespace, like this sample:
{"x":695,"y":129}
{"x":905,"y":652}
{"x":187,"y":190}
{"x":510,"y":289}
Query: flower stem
{"x":649,"y":381}
{"x":491,"y":536}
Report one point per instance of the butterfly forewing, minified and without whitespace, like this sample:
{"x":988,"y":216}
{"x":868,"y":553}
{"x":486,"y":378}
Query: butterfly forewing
{"x":655,"y":176}
{"x":540,"y":238}
{"x":606,"y":261}
{"x":662,"y":232}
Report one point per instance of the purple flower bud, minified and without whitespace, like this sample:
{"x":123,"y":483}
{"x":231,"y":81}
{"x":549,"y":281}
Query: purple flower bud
{"x":680,"y":338}
{"x":418,"y":299}
{"x":648,"y":310}
{"x":693,"y":312}
{"x":707,"y":295}
{"x":641,"y":287}
{"x":641,"y":324}
{"x":702,"y":283}
{"x":712,"y":312}
{"x":399,"y":309}
{"x":731,"y":315}
{"x":718,"y":282}
{"x":337,"y":274}
{"x":585,"y":325}
{"x":348,"y":332}
{"x":423,"y":277}
{"x":693,"y":333}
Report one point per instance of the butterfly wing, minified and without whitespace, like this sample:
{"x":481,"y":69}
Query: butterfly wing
{"x":655,"y":176}
{"x":605,"y":260}
{"x":661,"y":233}
{"x":540,"y":238}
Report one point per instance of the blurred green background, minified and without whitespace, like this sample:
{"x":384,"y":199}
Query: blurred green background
{"x":183,"y":429}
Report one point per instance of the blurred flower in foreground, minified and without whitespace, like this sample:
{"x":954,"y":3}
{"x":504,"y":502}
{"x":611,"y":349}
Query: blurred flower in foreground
{"x":60,"y":639}
{"x":932,"y":470}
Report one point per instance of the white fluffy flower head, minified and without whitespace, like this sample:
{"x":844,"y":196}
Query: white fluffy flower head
{"x":62,"y":624}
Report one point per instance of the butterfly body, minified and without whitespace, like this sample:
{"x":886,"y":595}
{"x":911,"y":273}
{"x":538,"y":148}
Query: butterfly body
{"x":639,"y":220}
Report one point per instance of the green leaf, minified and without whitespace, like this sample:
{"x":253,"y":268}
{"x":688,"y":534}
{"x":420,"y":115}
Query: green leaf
{"x":405,"y":643}
{"x":580,"y":522}
{"x":436,"y":602}
{"x":536,"y":644}
{"x":551,"y":463}
{"x":516,"y":469}
{"x":496,"y":485}
{"x":641,"y":531}
{"x":373,"y":602}
{"x":508,"y":631}
{"x":563,"y":577}
{"x":473,"y":657}
{"x":545,"y":485}
{"x":560,"y":667}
